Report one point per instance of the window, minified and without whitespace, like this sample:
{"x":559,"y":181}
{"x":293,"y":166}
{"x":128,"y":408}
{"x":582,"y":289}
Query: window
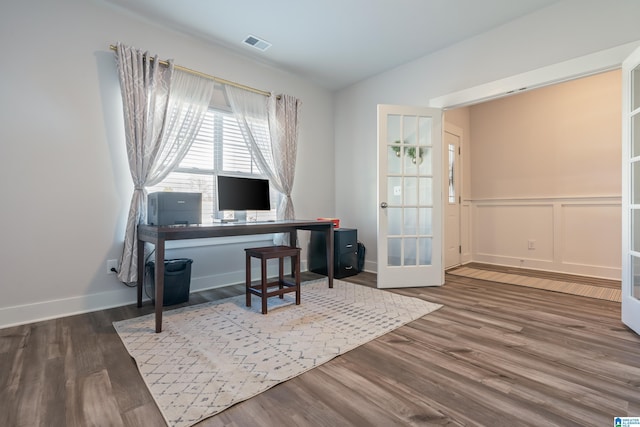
{"x":452,"y":166}
{"x":219,"y":148}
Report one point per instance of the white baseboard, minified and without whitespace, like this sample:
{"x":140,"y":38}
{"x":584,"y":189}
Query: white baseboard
{"x":602,"y":272}
{"x":53,"y":309}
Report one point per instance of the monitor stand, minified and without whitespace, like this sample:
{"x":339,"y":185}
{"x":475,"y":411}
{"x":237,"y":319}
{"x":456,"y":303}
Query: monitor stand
{"x":224,"y":220}
{"x":238,"y":216}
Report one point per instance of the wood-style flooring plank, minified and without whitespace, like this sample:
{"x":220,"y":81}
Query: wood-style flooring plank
{"x":595,"y":281}
{"x":384,"y":393}
{"x":494,"y":355}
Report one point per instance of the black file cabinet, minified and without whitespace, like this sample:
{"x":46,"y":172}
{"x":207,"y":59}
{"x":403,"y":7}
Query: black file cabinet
{"x":345,"y":252}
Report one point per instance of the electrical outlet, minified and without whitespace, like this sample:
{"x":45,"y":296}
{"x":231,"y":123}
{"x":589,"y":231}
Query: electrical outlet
{"x":112,"y":264}
{"x":531,"y":244}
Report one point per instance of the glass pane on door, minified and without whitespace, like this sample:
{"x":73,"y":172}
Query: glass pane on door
{"x":410,"y":251}
{"x":394,"y":190}
{"x":410,"y":190}
{"x":425,"y":191}
{"x":394,"y":252}
{"x":394,"y":221}
{"x":452,"y":160}
{"x":425,"y":221}
{"x":410,"y":221}
{"x":635,"y":274}
{"x":635,"y":88}
{"x":424,"y":248}
{"x":635,"y":230}
{"x":635,"y":136}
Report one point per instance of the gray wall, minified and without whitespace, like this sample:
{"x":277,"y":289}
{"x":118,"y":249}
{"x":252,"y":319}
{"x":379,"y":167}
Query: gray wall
{"x":64,"y":177}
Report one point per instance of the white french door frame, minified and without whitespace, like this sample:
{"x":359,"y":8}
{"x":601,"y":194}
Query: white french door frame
{"x":630,"y":191}
{"x":409,"y":196}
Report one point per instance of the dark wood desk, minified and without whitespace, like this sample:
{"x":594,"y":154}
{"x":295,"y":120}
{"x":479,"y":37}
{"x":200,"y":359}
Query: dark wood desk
{"x":158,"y":235}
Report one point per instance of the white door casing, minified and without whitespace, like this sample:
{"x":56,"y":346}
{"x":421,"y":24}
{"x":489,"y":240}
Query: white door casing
{"x":409,"y":196}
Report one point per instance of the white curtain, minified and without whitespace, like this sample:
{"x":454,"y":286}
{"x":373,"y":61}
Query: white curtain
{"x":270,"y":128}
{"x":163,"y":110}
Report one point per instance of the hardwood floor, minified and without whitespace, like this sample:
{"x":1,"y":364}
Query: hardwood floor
{"x":593,"y":281}
{"x":494,"y":355}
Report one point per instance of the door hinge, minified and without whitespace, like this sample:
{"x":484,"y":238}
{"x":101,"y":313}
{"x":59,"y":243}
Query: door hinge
{"x":459,"y":151}
{"x":460,"y":249}
{"x":460,"y":199}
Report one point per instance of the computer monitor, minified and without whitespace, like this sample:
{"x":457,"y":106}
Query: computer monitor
{"x":243,"y":194}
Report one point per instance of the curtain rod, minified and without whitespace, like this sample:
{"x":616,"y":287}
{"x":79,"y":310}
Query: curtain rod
{"x":207,"y":76}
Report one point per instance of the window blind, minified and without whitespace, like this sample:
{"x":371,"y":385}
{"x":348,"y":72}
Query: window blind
{"x":219,"y":148}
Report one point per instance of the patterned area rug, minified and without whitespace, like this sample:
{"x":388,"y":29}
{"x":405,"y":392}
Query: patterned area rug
{"x":599,"y":292}
{"x":214,"y":355}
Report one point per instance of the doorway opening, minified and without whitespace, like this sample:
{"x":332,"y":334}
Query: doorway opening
{"x":549,"y":199}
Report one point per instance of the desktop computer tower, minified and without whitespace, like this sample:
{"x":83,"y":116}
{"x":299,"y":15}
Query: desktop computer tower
{"x":169,"y":208}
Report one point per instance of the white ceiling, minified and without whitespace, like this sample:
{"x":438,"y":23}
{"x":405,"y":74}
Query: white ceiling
{"x":334,"y":42}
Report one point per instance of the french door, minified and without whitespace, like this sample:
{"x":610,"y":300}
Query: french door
{"x":631,"y":191}
{"x":409,"y":196}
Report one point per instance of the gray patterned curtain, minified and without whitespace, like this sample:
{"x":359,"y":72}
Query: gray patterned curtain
{"x":163,"y":111}
{"x":284,"y":113}
{"x":144,"y":84}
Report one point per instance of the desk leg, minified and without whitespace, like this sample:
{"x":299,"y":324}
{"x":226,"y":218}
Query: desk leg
{"x":293,"y":242}
{"x":159,"y":273}
{"x":330,"y":265}
{"x":141,"y":270}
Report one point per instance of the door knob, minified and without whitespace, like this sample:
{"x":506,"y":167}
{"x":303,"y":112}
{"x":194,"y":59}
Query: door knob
{"x":383,"y":205}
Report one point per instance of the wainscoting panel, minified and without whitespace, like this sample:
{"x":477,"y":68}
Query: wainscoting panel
{"x":591,"y":235}
{"x":505,"y":230}
{"x":579,"y":235}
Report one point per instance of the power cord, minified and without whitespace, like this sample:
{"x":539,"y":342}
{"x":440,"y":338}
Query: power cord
{"x":128,"y":284}
{"x":146,"y":276}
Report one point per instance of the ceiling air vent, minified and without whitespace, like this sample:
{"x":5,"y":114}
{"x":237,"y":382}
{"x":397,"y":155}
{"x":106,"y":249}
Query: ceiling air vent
{"x":256,"y":42}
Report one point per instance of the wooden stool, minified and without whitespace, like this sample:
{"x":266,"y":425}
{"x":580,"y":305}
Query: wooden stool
{"x":284,"y":285}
